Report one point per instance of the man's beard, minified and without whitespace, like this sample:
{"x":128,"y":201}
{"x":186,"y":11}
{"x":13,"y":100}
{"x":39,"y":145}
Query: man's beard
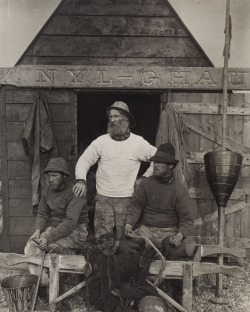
{"x":118,"y":128}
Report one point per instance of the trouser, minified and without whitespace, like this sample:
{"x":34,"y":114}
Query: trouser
{"x":65,"y":245}
{"x":75,"y":240}
{"x":110,"y":212}
{"x":161,"y":239}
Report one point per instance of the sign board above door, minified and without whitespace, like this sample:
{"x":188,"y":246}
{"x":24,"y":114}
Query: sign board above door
{"x":127,"y":77}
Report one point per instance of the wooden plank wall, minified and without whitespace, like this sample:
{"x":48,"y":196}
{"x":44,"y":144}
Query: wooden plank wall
{"x":108,"y":32}
{"x":18,"y":214}
{"x":202,"y":111}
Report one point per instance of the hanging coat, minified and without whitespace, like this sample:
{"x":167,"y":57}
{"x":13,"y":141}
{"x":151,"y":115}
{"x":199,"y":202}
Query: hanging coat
{"x":39,"y":142}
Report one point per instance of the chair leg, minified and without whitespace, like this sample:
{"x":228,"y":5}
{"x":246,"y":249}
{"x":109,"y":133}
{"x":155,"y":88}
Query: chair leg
{"x":54,"y":280}
{"x":187,"y":291}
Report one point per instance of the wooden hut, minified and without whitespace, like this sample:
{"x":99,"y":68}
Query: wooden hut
{"x":93,"y":52}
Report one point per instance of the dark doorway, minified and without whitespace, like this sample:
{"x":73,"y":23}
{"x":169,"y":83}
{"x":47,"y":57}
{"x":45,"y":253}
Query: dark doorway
{"x":92,"y":118}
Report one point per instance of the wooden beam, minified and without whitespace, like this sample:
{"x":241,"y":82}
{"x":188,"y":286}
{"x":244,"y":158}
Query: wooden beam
{"x":54,"y":278}
{"x":133,"y":77}
{"x":228,"y":241}
{"x":211,"y":109}
{"x":174,"y":269}
{"x":211,"y":134}
{"x":7,"y":271}
{"x":74,"y":263}
{"x":108,"y":8}
{"x":214,"y":215}
{"x":238,"y":194}
{"x":4,"y":172}
{"x":187,"y":290}
{"x":117,"y":26}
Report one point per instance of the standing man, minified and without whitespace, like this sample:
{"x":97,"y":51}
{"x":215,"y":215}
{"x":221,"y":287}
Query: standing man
{"x":161,"y":210}
{"x":119,"y":154}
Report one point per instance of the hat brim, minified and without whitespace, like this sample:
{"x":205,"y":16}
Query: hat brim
{"x":164,"y":158}
{"x":54,"y":169}
{"x":130,"y":116}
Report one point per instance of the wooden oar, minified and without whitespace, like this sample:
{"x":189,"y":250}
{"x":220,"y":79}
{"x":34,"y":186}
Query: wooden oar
{"x":210,"y":268}
{"x":66,"y":262}
{"x":175,"y":269}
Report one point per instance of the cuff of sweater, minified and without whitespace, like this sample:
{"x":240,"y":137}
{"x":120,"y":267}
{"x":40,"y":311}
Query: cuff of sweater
{"x":38,"y":227}
{"x":133,"y":224}
{"x":81,"y":181}
{"x":184,"y":233}
{"x":48,"y":237}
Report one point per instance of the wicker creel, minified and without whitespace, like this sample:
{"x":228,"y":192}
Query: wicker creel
{"x":19,"y":292}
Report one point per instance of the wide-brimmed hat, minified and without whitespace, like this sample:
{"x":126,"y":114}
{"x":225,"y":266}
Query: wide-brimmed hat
{"x":58,"y":164}
{"x":123,"y":107}
{"x":165,"y":153}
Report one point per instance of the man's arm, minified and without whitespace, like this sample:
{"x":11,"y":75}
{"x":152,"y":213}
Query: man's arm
{"x":42,"y":217}
{"x":73,"y":212}
{"x":184,"y":209}
{"x":147,"y":151}
{"x":136,"y":208}
{"x":88,"y":159}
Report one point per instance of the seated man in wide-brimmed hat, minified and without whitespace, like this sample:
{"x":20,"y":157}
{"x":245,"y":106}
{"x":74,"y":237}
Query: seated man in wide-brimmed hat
{"x":62,"y":218}
{"x":160,"y":209}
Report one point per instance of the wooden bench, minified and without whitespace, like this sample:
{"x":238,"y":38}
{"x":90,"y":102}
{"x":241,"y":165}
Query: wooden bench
{"x":185,"y":270}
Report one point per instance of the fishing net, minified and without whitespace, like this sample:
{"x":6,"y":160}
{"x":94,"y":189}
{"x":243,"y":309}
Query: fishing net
{"x":172,"y":129}
{"x":119,"y":280}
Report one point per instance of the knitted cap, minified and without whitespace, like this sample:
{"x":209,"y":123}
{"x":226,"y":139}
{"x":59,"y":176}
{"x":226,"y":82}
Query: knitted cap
{"x":58,"y":164}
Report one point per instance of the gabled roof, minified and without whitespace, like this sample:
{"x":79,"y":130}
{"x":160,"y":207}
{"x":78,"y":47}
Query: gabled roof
{"x":120,"y":32}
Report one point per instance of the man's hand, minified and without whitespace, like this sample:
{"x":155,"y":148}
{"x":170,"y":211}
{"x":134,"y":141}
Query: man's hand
{"x":176,"y":239}
{"x":42,"y":243}
{"x":80,"y":189}
{"x":128,"y":229}
{"x":35,"y":235}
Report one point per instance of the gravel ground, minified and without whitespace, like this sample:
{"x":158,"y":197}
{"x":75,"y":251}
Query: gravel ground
{"x":236,"y":291}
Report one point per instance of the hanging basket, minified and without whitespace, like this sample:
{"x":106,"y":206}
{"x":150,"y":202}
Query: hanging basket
{"x":222,"y":171}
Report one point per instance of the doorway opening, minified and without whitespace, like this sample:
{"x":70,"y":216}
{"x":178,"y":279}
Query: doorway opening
{"x":92,"y":118}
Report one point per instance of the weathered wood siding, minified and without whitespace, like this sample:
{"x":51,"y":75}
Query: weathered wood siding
{"x":115,"y":33}
{"x":202,"y":113}
{"x":16,"y":169}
